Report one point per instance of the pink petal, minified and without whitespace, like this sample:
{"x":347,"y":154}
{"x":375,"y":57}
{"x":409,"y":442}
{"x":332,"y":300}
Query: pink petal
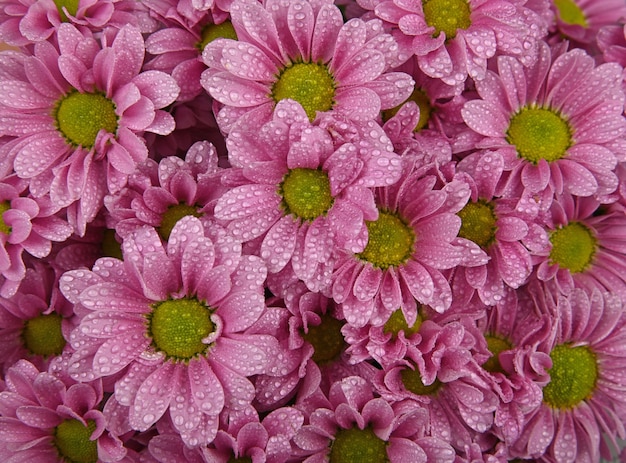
{"x":154,"y":396}
{"x":206,"y":390}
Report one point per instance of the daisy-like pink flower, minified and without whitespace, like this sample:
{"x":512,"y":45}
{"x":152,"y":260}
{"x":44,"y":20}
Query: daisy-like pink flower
{"x":35,"y":323}
{"x":585,"y":398}
{"x":584,"y":248}
{"x":354,"y":425}
{"x":172,"y":320}
{"x":408,"y":247}
{"x":544,"y":122}
{"x":580,"y":20}
{"x":79,"y":113}
{"x":503,"y":229}
{"x":302,"y":51}
{"x":160,"y":194}
{"x":26,"y":224}
{"x":44,"y":420}
{"x":302,"y":194}
{"x":454,"y":39}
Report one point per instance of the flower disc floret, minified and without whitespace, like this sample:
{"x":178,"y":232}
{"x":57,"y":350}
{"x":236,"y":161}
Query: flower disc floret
{"x":478,"y":223}
{"x":412,"y":381}
{"x":354,"y":444}
{"x":212,"y":32}
{"x":495,"y":345}
{"x":70,"y":5}
{"x":326,"y":339}
{"x":539,"y":133}
{"x":42,"y":335}
{"x":447,"y":16}
{"x":80,"y":116}
{"x":310,"y":84}
{"x":570,"y":13}
{"x":172,"y":215}
{"x":573,"y":247}
{"x":420,"y":98}
{"x":4,"y":228}
{"x":573,"y":376}
{"x":397,"y":322}
{"x":390,"y":241}
{"x":71,"y":439}
{"x":178,"y":327}
{"x":306,"y":193}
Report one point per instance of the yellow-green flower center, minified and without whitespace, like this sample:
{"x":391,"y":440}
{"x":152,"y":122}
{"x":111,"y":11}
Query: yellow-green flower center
{"x":495,"y":346}
{"x":326,"y":339}
{"x":569,"y":12}
{"x":178,"y":326}
{"x":357,"y":445}
{"x":42,"y":335}
{"x":70,"y":5}
{"x":447,"y":16}
{"x":310,"y":84}
{"x":71,"y":438}
{"x":211,"y":32}
{"x":422,"y":101}
{"x":306,"y":193}
{"x":573,"y":247}
{"x":80,"y":116}
{"x":4,"y":228}
{"x":173,"y":215}
{"x":573,"y":376}
{"x":397,"y":323}
{"x":412,"y":381}
{"x":390,"y":241}
{"x":478,"y":223}
{"x":539,"y":133}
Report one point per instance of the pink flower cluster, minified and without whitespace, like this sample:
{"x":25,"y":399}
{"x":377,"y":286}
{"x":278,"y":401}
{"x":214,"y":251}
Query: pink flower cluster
{"x":312,"y":231}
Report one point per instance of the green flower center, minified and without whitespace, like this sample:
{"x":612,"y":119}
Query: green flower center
{"x":422,"y":101}
{"x":573,"y":376}
{"x":70,"y":5}
{"x":412,"y":381}
{"x":573,"y":247}
{"x":478,"y":223}
{"x":80,"y":116}
{"x":4,"y":228}
{"x":326,"y":339}
{"x":171,"y":217}
{"x":357,"y":445}
{"x":211,"y":32}
{"x":447,"y":16}
{"x":310,"y":84}
{"x":397,"y":323}
{"x":306,"y":193}
{"x":42,"y":335}
{"x":539,"y":133}
{"x":495,"y":346}
{"x":178,"y":326}
{"x":390,"y":241}
{"x":71,"y":438}
{"x":239,"y":460}
{"x":570,"y":12}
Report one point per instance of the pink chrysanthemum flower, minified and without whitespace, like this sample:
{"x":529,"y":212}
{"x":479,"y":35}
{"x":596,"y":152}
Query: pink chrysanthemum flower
{"x":173,"y":321}
{"x":585,"y":247}
{"x":300,"y":194}
{"x":354,"y":425}
{"x":500,"y":226}
{"x":454,"y":39}
{"x":160,"y":194}
{"x":45,"y":420}
{"x":62,"y":149}
{"x":580,"y":20}
{"x":545,"y":122}
{"x":410,"y":244}
{"x":26,"y":224}
{"x":585,"y":398}
{"x":35,"y":323}
{"x":302,"y":51}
